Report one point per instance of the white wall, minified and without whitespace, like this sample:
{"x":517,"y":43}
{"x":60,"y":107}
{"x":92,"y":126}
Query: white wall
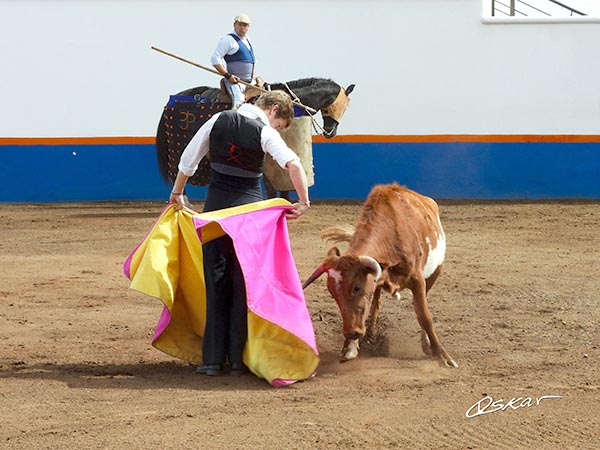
{"x":85,"y":68}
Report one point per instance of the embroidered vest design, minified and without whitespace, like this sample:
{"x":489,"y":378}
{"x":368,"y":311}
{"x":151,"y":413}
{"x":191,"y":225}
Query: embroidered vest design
{"x":235,"y":147}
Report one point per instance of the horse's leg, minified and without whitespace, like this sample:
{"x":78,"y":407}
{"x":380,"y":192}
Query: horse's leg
{"x":269,"y":189}
{"x":186,"y":202}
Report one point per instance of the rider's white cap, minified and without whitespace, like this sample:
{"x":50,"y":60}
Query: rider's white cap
{"x":243,"y":18}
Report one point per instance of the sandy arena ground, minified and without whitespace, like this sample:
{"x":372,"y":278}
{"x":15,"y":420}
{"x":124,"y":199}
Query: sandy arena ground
{"x":517,"y":307}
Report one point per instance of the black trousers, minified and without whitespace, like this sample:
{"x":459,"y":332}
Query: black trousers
{"x":226,"y":328}
{"x":226,"y":311}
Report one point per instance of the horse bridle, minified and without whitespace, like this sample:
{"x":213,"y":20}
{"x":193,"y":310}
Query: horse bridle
{"x":324,"y":112}
{"x":337,"y":108}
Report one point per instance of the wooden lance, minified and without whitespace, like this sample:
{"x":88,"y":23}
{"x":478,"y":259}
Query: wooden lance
{"x":208,"y":69}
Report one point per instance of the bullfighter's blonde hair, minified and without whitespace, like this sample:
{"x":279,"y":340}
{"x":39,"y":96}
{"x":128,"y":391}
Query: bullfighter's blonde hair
{"x":277,"y":98}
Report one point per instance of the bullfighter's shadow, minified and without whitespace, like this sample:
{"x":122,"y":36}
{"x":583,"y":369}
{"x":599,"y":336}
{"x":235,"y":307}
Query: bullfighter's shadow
{"x":137,"y":376}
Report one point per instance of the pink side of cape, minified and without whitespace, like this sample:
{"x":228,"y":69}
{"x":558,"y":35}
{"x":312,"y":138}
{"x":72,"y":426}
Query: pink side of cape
{"x":165,"y":317}
{"x":163,"y":323}
{"x":273,"y":287}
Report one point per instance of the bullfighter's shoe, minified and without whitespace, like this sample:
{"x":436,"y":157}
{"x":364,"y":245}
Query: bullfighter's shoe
{"x":212,"y":370}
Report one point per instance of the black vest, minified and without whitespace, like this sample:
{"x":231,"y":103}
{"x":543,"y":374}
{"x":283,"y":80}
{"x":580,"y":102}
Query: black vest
{"x":235,"y":147}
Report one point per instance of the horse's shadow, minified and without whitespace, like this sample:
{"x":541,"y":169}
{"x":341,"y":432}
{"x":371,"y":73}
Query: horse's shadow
{"x":138,"y":376}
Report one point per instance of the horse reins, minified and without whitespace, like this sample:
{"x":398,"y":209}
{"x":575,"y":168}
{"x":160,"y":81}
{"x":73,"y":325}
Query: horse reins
{"x":315,"y":124}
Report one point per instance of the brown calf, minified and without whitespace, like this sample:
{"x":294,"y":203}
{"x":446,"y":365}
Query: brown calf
{"x":397,"y":243}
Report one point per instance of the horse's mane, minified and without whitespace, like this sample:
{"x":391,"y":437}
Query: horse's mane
{"x":305,"y":82}
{"x":313,"y":92}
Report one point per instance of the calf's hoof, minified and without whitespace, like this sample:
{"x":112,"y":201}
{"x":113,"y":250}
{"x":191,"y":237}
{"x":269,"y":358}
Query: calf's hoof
{"x":350,"y":350}
{"x":447,"y":362}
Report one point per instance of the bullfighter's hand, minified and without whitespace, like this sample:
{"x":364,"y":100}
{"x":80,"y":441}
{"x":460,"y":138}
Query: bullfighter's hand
{"x":233,"y":79}
{"x":299,"y":209}
{"x":179,"y":200}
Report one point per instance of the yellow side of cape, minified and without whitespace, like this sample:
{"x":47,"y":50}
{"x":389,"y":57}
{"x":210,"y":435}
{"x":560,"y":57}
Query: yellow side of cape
{"x":168,"y":265}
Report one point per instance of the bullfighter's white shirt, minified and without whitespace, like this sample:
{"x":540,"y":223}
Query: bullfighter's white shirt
{"x":270,"y":141}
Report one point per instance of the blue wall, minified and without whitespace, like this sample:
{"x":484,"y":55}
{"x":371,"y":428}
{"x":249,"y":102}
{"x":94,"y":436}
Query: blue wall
{"x":476,"y":170}
{"x":461,"y":170}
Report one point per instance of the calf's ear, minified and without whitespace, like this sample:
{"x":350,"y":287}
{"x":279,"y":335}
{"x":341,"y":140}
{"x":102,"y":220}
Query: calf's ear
{"x":349,"y":89}
{"x":333,"y":251}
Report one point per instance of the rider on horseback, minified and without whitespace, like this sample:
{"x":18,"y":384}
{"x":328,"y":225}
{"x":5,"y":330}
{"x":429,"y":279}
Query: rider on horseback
{"x":234,"y":59}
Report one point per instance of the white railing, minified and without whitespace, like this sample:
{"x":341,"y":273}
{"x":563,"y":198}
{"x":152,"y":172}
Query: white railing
{"x":533,"y":8}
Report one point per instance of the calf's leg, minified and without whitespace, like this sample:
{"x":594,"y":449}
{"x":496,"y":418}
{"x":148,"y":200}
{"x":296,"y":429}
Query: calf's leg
{"x":373,"y":313}
{"x":425,"y":343}
{"x":434,"y":276}
{"x":418,"y":288}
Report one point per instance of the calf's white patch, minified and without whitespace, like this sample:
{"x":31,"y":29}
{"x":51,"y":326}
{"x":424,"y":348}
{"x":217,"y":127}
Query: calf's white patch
{"x":436,"y":254}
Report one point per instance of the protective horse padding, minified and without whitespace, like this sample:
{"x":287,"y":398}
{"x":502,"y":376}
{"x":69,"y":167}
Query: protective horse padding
{"x":182,"y":120}
{"x":298,"y":137}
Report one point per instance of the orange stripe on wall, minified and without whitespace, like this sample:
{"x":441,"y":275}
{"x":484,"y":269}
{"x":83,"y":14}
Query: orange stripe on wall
{"x":351,"y":138}
{"x":368,"y":138}
{"x":114,"y":140}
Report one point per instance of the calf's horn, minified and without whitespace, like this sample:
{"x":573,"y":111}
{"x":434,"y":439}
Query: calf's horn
{"x":316,"y":274}
{"x":371,"y":263}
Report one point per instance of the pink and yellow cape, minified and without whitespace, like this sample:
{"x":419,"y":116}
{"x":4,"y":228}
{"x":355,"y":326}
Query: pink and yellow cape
{"x":167,"y":264}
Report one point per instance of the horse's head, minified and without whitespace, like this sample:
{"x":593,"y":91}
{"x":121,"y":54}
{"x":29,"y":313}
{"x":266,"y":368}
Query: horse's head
{"x":333,"y":112}
{"x":322,"y":95}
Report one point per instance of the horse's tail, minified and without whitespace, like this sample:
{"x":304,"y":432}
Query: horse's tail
{"x":162,"y":150}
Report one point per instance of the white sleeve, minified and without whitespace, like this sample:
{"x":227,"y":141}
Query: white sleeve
{"x":274,"y":145}
{"x":197,"y":148}
{"x":226,"y":46}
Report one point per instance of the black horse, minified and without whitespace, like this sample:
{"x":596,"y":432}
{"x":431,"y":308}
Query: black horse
{"x":320,"y":94}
